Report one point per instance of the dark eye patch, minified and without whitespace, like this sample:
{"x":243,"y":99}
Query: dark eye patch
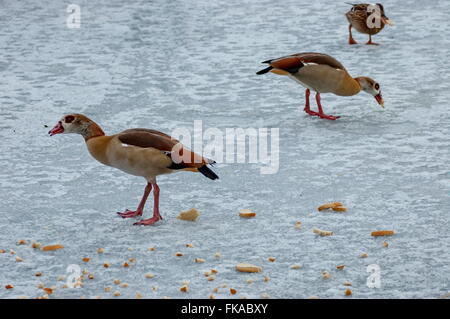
{"x":69,"y":118}
{"x":377,"y":86}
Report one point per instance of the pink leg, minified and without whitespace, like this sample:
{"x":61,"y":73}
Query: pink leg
{"x":322,"y":115}
{"x":350,"y":36}
{"x":140,"y":209}
{"x":307,"y":108}
{"x":156,"y":215}
{"x":370,"y":41}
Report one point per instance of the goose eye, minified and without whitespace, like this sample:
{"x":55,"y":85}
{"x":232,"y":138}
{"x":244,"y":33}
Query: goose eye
{"x":377,"y":86}
{"x":69,"y":119}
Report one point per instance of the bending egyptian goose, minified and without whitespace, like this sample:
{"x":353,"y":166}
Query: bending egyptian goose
{"x":368,"y":19}
{"x":323,"y":74}
{"x":140,"y":152}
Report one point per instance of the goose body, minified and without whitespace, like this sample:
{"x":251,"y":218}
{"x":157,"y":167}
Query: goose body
{"x":321,"y":73}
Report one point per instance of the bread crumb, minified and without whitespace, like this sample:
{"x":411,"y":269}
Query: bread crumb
{"x":298,"y":225}
{"x":138,"y":296}
{"x":363,"y":255}
{"x":184,"y":288}
{"x":178,"y":254}
{"x":151,"y":248}
{"x":265,"y":295}
{"x":313,"y":297}
{"x":206,"y":273}
{"x":199,"y":260}
{"x":36,"y":245}
{"x":38,"y":274}
{"x":385,"y":244}
{"x":266,"y":279}
{"x":125,"y":264}
{"x":189,"y":245}
{"x":326,"y":275}
{"x":91,"y":276}
{"x":271,"y":259}
{"x":124,"y":285}
{"x":149,"y":275}
{"x":340,"y":267}
{"x":189,"y":215}
{"x":296,"y":266}
{"x":249,"y":281}
{"x":106,"y":265}
{"x":100,"y":250}
{"x":213,"y":271}
{"x":61,"y":278}
{"x":22,"y":242}
{"x":107,"y":289}
{"x":347,"y":283}
{"x":348,"y":292}
{"x":2,"y":251}
{"x":52,"y":247}
{"x":86,"y":259}
{"x":211,"y":278}
{"x":131,"y":260}
{"x":9,"y":287}
{"x":18,"y":259}
{"x":116,"y":293}
{"x":246,"y":213}
{"x":244,"y":267}
{"x":382,"y":233}
{"x":329,"y":205}
{"x":116,"y":281}
{"x":49,"y":291}
{"x":233,"y":291}
{"x":322,"y":232}
{"x":211,"y":296}
{"x":217,"y":255}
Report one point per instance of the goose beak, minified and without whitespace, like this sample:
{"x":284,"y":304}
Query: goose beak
{"x":388,"y":21}
{"x":58,"y":129}
{"x":380,"y":100}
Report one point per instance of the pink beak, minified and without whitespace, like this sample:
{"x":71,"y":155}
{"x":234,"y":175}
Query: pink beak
{"x":58,"y":129}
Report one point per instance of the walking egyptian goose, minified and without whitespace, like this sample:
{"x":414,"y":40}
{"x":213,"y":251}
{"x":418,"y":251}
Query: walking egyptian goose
{"x":323,"y":74}
{"x":140,"y":152}
{"x":368,"y":19}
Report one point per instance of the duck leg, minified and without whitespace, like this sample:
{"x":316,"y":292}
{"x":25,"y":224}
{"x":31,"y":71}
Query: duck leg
{"x":350,"y":37}
{"x":370,"y":41}
{"x":322,"y":115}
{"x":138,"y":212}
{"x":156,"y":216}
{"x":307,"y":105}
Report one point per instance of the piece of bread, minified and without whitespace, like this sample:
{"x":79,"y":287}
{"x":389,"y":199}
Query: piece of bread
{"x":322,"y":232}
{"x":244,"y":267}
{"x":382,"y":233}
{"x":246,"y":213}
{"x":52,"y":247}
{"x":329,"y":205}
{"x":189,"y":215}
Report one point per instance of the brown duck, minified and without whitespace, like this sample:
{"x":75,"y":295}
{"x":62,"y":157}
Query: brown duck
{"x":368,"y":19}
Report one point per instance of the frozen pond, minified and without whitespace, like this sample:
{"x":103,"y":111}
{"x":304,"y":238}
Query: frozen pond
{"x":164,"y":64}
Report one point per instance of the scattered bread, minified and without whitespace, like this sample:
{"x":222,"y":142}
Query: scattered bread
{"x":266,"y":279}
{"x":100,"y":250}
{"x":116,"y":293}
{"x":52,"y":247}
{"x":18,"y":259}
{"x":329,"y":205}
{"x":271,"y":259}
{"x":246,"y":213}
{"x":217,"y":255}
{"x":298,"y":225}
{"x":322,"y":232}
{"x":138,"y":296}
{"x":125,"y":265}
{"x":38,"y":274}
{"x":124,"y":285}
{"x":347,"y":283}
{"x":22,"y":242}
{"x":385,"y":244}
{"x":382,"y":233}
{"x":199,"y":260}
{"x":116,"y":281}
{"x":91,"y":276}
{"x":189,"y":246}
{"x":106,"y":265}
{"x":190,"y":215}
{"x":152,"y":248}
{"x":149,"y":275}
{"x":348,"y":292}
{"x":36,"y":245}
{"x":296,"y":266}
{"x":86,"y":260}
{"x":211,"y":296}
{"x":363,"y":255}
{"x":340,"y":267}
{"x":339,"y":209}
{"x":213,"y":271}
{"x":61,"y":278}
{"x":211,"y":278}
{"x":178,"y":254}
{"x":2,"y":251}
{"x":9,"y":287}
{"x":244,"y":267}
{"x":107,"y":289}
{"x":233,"y":291}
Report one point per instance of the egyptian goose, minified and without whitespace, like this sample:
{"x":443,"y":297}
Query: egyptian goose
{"x":323,"y":74}
{"x":140,"y":152}
{"x":368,"y":19}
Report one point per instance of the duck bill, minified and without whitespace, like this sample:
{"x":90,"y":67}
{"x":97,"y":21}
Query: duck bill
{"x":380,"y":100}
{"x":58,"y":129}
{"x":387,"y":21}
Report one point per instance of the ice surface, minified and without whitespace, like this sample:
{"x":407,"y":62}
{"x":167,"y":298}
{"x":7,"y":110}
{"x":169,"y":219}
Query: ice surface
{"x":163,"y":64}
